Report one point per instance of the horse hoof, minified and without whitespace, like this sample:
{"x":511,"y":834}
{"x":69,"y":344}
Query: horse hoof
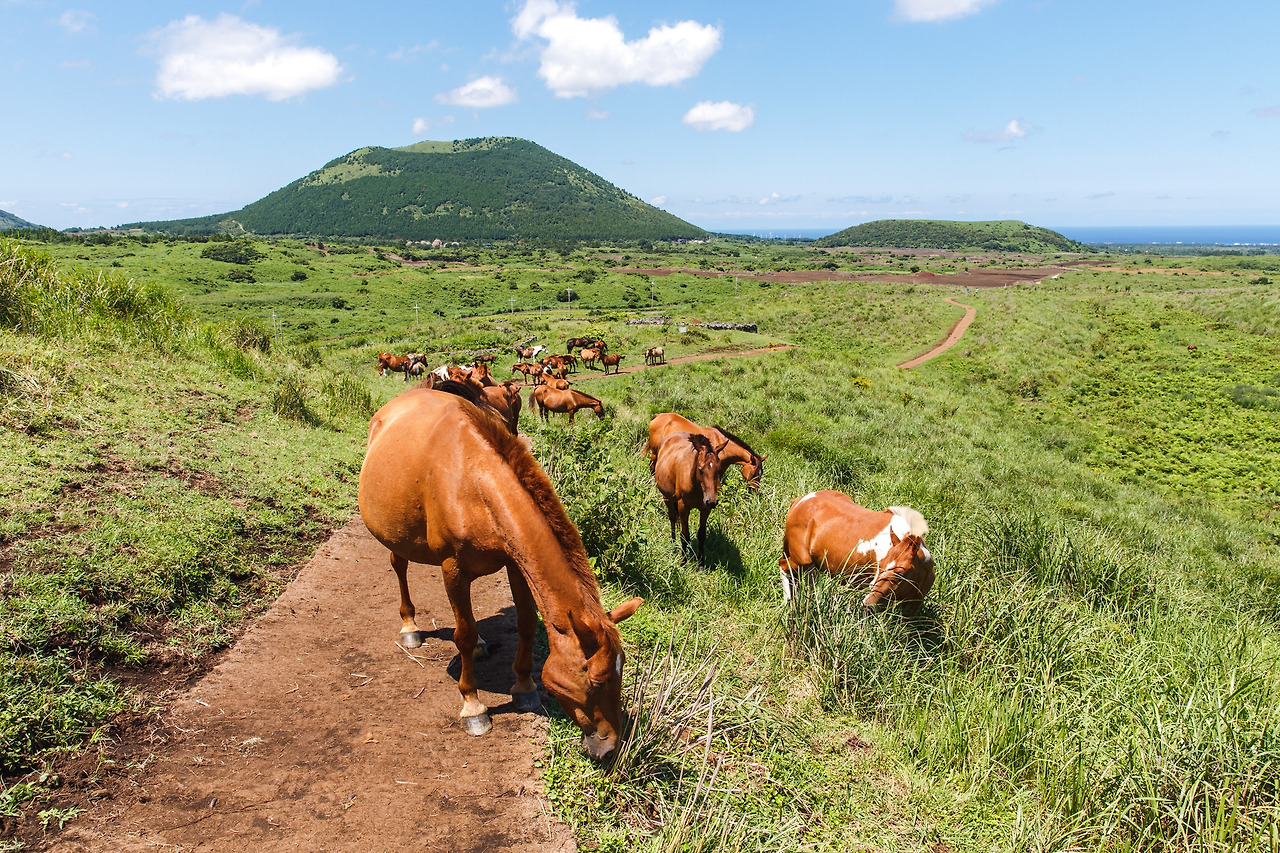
{"x":411,"y":639}
{"x":482,"y":650}
{"x":527,"y":701}
{"x":478,"y":725}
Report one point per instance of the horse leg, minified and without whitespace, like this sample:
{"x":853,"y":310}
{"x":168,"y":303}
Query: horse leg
{"x":410,"y":636}
{"x":524,"y":693}
{"x":684,"y":529}
{"x":702,"y":536}
{"x":673,"y":513}
{"x":474,"y":715}
{"x":571,"y":411}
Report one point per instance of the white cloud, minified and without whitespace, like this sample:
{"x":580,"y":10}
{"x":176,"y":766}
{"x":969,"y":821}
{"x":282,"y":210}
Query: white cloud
{"x":1013,"y":130}
{"x":658,"y":201}
{"x":422,"y":125}
{"x":721,"y":115}
{"x":938,"y":10}
{"x":479,"y":93}
{"x":586,"y":55}
{"x":228,"y":56}
{"x":75,"y":20}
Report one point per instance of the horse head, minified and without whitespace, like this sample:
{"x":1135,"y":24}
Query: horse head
{"x":707,"y":468}
{"x":905,"y":577}
{"x":753,"y":471}
{"x":591,"y":695}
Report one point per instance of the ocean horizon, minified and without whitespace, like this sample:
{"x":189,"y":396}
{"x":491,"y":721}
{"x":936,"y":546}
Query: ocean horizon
{"x":1099,"y":235}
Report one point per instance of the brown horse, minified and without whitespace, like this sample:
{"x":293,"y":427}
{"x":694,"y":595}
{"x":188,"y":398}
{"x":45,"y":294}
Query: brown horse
{"x":688,"y":474}
{"x":885,"y":549}
{"x":487,"y":358}
{"x":444,"y":483}
{"x":589,"y":357}
{"x":550,"y":400}
{"x":614,"y":361}
{"x":573,"y":343}
{"x":527,"y":369}
{"x":736,"y":452}
{"x":388,"y":363}
{"x":505,"y":399}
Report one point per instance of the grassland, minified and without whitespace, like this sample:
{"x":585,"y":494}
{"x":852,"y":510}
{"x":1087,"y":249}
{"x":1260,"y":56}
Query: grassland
{"x":1096,"y":668}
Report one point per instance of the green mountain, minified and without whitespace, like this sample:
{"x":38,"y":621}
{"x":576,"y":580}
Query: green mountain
{"x":9,"y":221}
{"x":496,"y":188}
{"x":1007,"y":235}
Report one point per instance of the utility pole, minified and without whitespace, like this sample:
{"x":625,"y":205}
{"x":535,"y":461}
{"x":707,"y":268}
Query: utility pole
{"x":570,"y":291}
{"x":650,"y":293}
{"x":512,"y":300}
{"x":415,"y":316}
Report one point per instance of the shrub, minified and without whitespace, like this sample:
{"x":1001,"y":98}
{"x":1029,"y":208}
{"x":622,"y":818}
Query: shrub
{"x":238,"y":252}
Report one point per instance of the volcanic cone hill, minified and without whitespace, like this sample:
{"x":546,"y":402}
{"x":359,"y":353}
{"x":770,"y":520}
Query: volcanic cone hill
{"x":495,"y":188}
{"x":1008,"y":235}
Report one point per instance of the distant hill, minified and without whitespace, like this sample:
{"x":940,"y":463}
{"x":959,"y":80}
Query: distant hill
{"x":496,"y":188}
{"x":1007,"y":235}
{"x":9,"y":221}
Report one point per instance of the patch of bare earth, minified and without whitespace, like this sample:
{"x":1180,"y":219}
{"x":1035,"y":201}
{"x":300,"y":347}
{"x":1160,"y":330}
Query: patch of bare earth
{"x":318,"y":732}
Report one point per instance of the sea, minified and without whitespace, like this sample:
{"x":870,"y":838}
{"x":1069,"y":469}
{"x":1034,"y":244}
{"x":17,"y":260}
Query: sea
{"x":1106,"y":235}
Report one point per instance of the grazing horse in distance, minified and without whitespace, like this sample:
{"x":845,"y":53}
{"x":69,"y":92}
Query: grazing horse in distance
{"x":599,"y":346}
{"x":527,"y":369}
{"x":735,"y":452}
{"x":589,"y":357}
{"x":481,"y":375}
{"x":885,"y":549}
{"x":417,"y":366}
{"x":688,"y":474}
{"x":388,"y":363}
{"x":573,"y":343}
{"x":486,"y":358}
{"x":444,"y":483}
{"x":568,"y":401}
{"x":614,"y":361}
{"x":655,"y":355}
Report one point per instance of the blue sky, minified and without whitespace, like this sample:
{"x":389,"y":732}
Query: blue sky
{"x":732,"y":115}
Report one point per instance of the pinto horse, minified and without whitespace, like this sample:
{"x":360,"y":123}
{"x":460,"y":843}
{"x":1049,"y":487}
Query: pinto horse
{"x":736,"y":452}
{"x":388,"y":363}
{"x":443,"y":482}
{"x":688,"y":474}
{"x":885,"y":549}
{"x":549,"y":400}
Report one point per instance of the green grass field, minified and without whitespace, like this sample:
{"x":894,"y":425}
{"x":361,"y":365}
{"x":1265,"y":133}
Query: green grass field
{"x":1096,"y":668}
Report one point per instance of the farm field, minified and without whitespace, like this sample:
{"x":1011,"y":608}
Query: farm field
{"x":1098,"y":459}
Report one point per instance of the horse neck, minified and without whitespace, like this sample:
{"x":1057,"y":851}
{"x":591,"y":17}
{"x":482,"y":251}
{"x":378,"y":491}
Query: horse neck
{"x":734,"y":453}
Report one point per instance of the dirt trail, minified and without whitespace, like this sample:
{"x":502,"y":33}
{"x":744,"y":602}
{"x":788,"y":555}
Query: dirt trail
{"x":317,"y":732}
{"x":952,"y":338}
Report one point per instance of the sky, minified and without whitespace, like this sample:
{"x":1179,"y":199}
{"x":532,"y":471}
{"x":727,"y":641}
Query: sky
{"x":741,"y":115}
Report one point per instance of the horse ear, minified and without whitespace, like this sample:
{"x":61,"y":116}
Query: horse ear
{"x":625,"y":610}
{"x":766,"y":456}
{"x":722,"y":446}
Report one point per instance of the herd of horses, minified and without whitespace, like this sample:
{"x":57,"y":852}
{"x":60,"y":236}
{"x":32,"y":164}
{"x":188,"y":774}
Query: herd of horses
{"x":447,"y":480}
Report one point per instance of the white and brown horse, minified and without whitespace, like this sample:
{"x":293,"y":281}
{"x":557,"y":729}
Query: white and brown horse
{"x":445,"y":483}
{"x":885,"y":550}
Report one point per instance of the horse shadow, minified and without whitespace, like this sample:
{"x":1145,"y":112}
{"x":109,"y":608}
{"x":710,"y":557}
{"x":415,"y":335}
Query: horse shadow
{"x":493,"y":671}
{"x":722,"y":552}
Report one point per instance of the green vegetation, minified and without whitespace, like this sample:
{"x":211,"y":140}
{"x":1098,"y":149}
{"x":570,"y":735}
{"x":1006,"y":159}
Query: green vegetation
{"x":1096,"y":668}
{"x":997,"y":236}
{"x":475,"y":189}
{"x":10,"y":222}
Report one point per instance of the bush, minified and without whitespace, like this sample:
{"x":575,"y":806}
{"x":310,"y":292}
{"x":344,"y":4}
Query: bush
{"x":238,"y":252}
{"x":298,"y":275}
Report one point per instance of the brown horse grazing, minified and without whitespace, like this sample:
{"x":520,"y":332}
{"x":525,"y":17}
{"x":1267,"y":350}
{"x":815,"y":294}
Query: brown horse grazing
{"x":573,"y":343}
{"x":883,"y":549}
{"x":688,"y":475}
{"x":589,"y":357}
{"x":736,"y":452}
{"x":655,"y":355}
{"x":488,"y":358}
{"x":550,"y":400}
{"x":388,"y":363}
{"x":505,"y":399}
{"x":444,"y":483}
{"x":614,"y":361}
{"x":527,"y":369}
{"x":599,"y":346}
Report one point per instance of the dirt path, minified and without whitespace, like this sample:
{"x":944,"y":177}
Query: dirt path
{"x":317,"y":732}
{"x":952,"y":338}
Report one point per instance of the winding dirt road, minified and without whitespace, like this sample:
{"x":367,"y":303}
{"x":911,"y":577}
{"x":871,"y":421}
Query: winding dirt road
{"x":953,"y":337}
{"x":317,"y":732}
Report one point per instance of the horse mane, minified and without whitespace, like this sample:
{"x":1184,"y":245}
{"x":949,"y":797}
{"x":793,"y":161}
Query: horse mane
{"x":513,"y":450}
{"x":588,"y":396}
{"x":918,"y":525}
{"x":737,"y":440}
{"x":697,"y":439}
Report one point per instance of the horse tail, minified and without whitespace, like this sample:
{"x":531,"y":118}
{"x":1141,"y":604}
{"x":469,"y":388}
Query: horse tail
{"x":532,"y":400}
{"x":918,"y":525}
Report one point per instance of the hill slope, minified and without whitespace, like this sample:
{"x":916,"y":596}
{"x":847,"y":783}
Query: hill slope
{"x":495,"y":188}
{"x":1008,"y":235}
{"x":9,"y":221}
